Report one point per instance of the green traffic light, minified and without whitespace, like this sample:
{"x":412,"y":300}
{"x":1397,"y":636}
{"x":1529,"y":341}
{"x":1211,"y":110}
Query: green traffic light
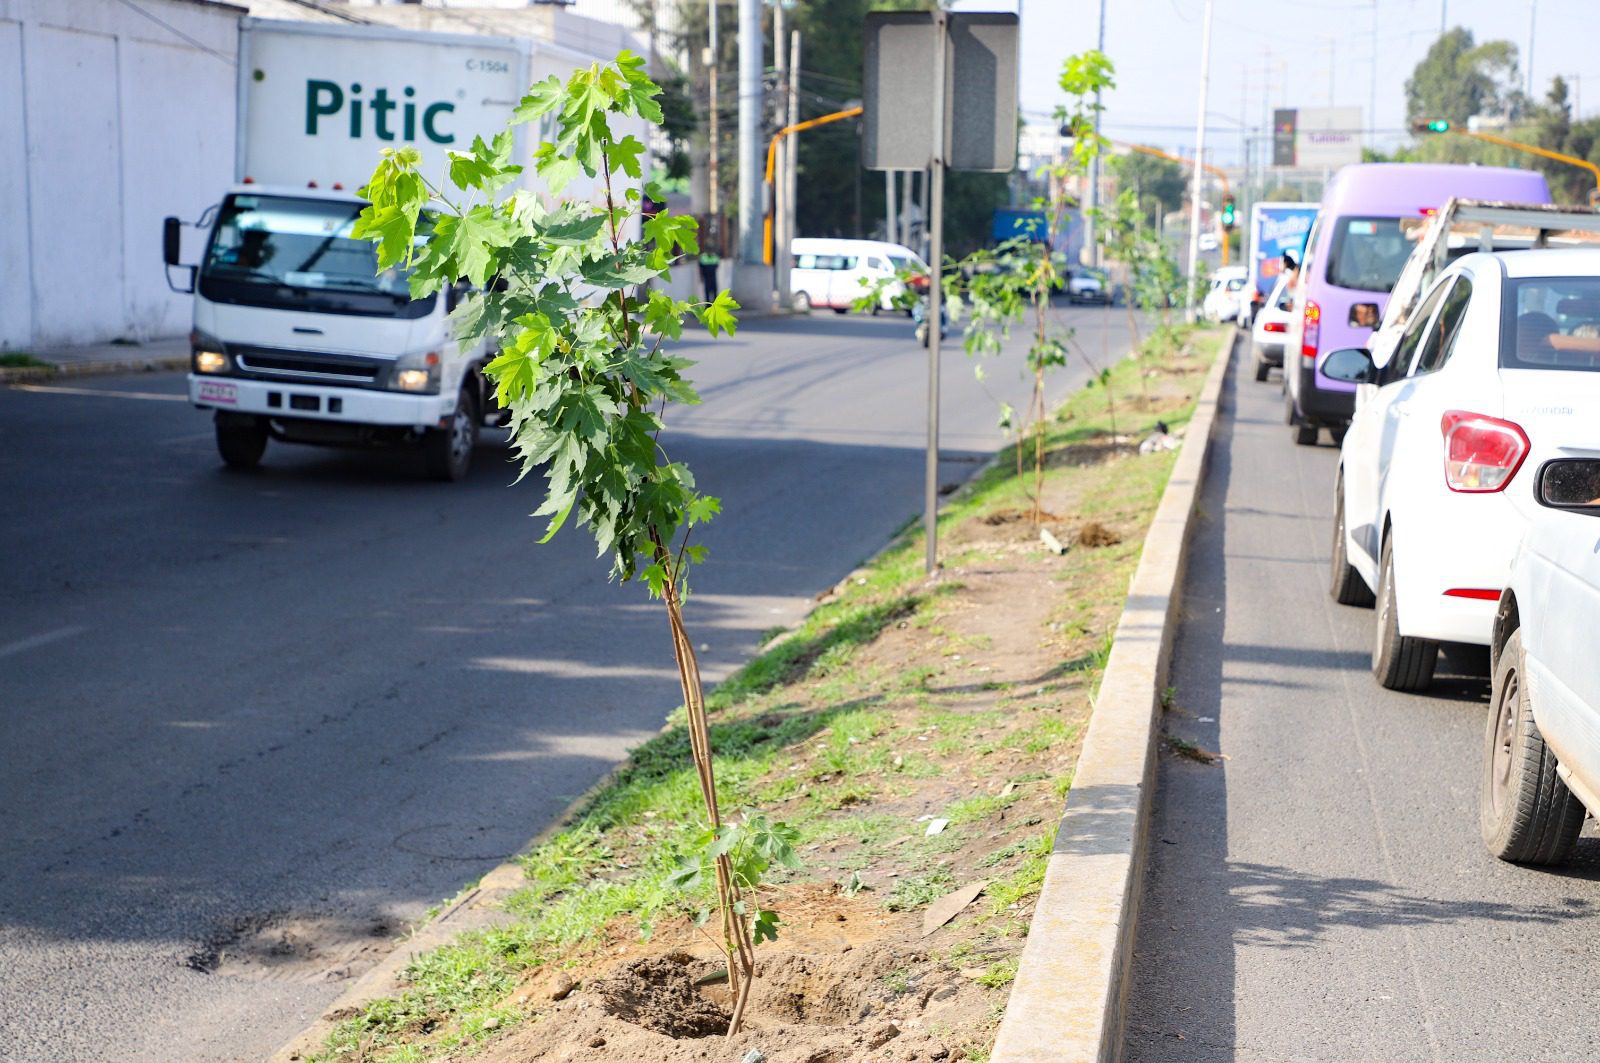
{"x":1438,"y":125}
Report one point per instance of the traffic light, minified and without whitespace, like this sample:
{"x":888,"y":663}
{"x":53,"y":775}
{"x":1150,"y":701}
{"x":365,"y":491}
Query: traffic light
{"x":1430,"y":125}
{"x":1230,"y":214}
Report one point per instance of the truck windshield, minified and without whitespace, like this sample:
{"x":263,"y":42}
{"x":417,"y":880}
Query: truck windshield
{"x":298,"y":254}
{"x":1367,"y":254}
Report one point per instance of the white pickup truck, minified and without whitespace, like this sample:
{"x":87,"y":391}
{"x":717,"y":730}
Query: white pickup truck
{"x":1462,"y":226}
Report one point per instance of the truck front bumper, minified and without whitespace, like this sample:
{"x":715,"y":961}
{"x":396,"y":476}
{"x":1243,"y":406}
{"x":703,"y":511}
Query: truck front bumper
{"x":355,"y":406}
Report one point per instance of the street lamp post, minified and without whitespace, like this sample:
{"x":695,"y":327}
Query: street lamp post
{"x":1199,"y":169}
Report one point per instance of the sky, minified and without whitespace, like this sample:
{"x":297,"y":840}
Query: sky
{"x":1266,"y":55}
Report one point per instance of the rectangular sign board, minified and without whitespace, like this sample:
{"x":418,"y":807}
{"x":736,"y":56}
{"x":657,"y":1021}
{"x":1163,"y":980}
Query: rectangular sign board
{"x":1283,"y":126}
{"x":980,"y":90}
{"x":1274,"y":229}
{"x":1328,"y":137}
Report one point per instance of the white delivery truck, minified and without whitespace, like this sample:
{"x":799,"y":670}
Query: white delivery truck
{"x":297,"y":337}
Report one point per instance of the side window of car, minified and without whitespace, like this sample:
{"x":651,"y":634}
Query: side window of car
{"x":1445,"y":328}
{"x":875,"y":263}
{"x":805,"y":262}
{"x":1405,"y":352}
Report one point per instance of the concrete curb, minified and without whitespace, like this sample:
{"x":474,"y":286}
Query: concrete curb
{"x":1067,"y":1002}
{"x":34,"y":374}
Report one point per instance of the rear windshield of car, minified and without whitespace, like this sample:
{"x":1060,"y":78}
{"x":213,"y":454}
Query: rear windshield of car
{"x":1367,"y":254}
{"x":1551,"y":323}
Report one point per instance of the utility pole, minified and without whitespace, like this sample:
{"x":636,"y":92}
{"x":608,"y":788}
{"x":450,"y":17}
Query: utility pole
{"x":1533,"y":13}
{"x":891,"y":224}
{"x":751,"y":46}
{"x":1372,"y":89}
{"x":791,"y":181}
{"x":1199,"y":165}
{"x":1093,"y":199}
{"x":935,"y":321}
{"x":780,"y":80}
{"x":712,"y":57}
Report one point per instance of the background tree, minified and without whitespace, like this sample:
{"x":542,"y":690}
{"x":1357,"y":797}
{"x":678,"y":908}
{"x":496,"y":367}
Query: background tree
{"x":835,"y":197}
{"x":1158,"y":184}
{"x":1459,"y":78}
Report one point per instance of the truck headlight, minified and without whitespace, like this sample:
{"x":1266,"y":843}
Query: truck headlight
{"x":207,"y":354}
{"x":417,"y":373}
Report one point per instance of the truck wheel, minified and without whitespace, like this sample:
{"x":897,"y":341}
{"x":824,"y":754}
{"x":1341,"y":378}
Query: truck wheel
{"x":447,"y":452}
{"x":841,"y":310}
{"x":241,"y":440}
{"x":1399,"y":662}
{"x":1305,"y":435}
{"x":1526,"y":813}
{"x":1346,"y":584}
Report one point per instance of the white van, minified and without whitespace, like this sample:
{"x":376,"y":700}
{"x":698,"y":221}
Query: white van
{"x":834,"y":273}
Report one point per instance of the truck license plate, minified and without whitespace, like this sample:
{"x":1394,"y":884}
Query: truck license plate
{"x":222,"y":394}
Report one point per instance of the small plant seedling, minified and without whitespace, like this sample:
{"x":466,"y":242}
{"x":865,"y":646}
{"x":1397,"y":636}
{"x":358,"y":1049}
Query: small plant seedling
{"x":584,"y":374}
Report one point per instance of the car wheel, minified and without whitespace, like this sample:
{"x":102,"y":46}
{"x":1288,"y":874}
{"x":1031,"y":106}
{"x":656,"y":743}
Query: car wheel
{"x":841,"y":310}
{"x":1346,"y":584}
{"x":1262,"y":367}
{"x":801,"y":303}
{"x":447,"y":452}
{"x":1399,"y":662}
{"x":1305,"y":435}
{"x":241,"y":440}
{"x":1526,"y":813}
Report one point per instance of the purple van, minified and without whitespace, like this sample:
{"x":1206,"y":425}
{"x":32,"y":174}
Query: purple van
{"x":1362,"y":237}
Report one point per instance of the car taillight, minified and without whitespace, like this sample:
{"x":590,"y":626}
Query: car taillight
{"x":1274,"y":326}
{"x":1313,"y":330}
{"x":1481,"y":453}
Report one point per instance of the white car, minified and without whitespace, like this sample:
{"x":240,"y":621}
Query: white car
{"x":1222,"y":299}
{"x":1208,"y":241}
{"x":1495,"y":370}
{"x":1271,"y":326}
{"x":1089,"y":286}
{"x":1541,"y":761}
{"x":835,"y":273}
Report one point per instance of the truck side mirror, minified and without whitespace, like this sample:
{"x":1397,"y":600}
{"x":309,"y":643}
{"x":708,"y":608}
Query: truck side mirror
{"x":171,"y":250}
{"x":171,"y":241}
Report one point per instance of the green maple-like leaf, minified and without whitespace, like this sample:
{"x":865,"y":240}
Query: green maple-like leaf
{"x":717,"y":315}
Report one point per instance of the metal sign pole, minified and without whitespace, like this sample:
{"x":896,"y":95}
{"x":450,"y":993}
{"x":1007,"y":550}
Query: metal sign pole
{"x":930,"y":518}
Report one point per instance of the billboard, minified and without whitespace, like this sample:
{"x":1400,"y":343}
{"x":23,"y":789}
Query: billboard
{"x":1328,"y":137}
{"x":1283,"y":126}
{"x":1274,"y":229}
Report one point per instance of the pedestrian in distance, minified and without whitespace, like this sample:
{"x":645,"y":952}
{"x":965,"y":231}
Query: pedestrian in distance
{"x":709,"y":261}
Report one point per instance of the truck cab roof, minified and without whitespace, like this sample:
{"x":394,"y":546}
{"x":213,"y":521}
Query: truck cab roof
{"x":295,"y":192}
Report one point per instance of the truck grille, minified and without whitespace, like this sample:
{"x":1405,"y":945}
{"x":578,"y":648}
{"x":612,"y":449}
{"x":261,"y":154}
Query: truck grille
{"x":351,"y":370}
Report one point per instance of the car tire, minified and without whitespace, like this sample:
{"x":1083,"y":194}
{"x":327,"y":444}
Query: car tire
{"x":1399,"y":662}
{"x":1526,"y":813}
{"x":1262,"y":368}
{"x":1305,"y":435}
{"x":241,"y":440}
{"x":801,"y":303}
{"x":1345,"y":583}
{"x":447,"y":452}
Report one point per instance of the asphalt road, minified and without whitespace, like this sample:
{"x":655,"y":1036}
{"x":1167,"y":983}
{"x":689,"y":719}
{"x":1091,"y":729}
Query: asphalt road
{"x":331,"y":690}
{"x":1322,"y":894}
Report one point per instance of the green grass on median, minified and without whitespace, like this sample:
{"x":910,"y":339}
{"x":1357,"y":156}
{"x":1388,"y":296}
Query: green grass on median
{"x":808,"y":722}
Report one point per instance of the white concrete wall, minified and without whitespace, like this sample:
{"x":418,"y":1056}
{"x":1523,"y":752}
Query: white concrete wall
{"x":126,"y":116}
